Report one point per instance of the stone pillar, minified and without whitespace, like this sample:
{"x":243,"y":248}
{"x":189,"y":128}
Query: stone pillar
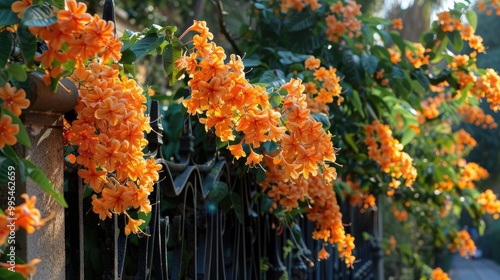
{"x":43,"y":122}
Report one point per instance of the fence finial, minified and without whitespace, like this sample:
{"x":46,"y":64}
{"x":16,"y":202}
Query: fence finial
{"x":108,"y":12}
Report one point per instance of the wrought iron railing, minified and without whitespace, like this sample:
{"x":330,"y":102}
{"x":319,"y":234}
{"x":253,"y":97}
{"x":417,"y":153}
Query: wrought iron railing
{"x":200,"y":241}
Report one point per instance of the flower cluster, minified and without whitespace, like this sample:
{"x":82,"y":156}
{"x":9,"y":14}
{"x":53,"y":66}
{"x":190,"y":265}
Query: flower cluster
{"x":392,"y":242}
{"x":14,"y":100}
{"x":239,"y":110}
{"x":229,"y":102}
{"x":476,"y":116}
{"x":328,"y":83}
{"x":323,"y":207}
{"x":109,"y":129}
{"x":438,"y":274}
{"x":358,"y":197}
{"x":401,"y":215}
{"x":109,"y":132}
{"x":389,"y":154}
{"x":488,"y":86}
{"x":463,"y":243}
{"x":76,"y":36}
{"x":343,"y":20}
{"x":28,"y":217}
{"x":430,"y":107}
{"x":298,"y":5}
{"x":489,"y":203}
{"x":417,"y":55}
{"x":231,"y":105}
{"x":448,"y":23}
{"x":483,"y":7}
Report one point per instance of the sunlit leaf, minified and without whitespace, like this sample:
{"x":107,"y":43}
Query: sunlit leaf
{"x":27,"y":43}
{"x":7,"y":16}
{"x":38,"y":15}
{"x":5,"y":47}
{"x":35,"y":174}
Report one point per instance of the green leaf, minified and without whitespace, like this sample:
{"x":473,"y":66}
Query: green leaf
{"x":366,"y":236}
{"x":171,"y":53}
{"x":4,"y":77}
{"x":218,"y":191}
{"x":38,"y":15}
{"x":348,"y":139}
{"x":4,"y":168}
{"x":422,"y":78}
{"x":408,"y":135}
{"x":238,"y":209}
{"x":146,"y":217}
{"x":21,"y":170}
{"x":57,"y":3}
{"x":7,"y":16}
{"x":396,"y":38}
{"x":168,"y":30}
{"x":270,"y":146}
{"x":40,"y":179}
{"x":381,"y":52}
{"x":140,"y":49}
{"x":302,"y":23}
{"x":273,"y":78}
{"x":5,"y":47}
{"x":356,"y":101}
{"x":350,"y":65}
{"x":369,"y":63}
{"x":9,"y":152}
{"x":456,"y":40}
{"x":27,"y":43}
{"x":22,"y":135}
{"x":17,"y":71}
{"x":265,"y":203}
{"x":6,"y":274}
{"x":481,"y":227}
{"x":323,"y":119}
{"x":471,"y":16}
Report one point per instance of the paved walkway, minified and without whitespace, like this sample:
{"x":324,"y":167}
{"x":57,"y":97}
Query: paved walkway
{"x":474,"y":269}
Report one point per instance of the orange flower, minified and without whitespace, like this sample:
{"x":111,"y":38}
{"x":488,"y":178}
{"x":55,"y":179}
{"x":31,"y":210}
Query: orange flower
{"x":254,"y":158}
{"x":28,"y":217}
{"x":395,"y":56}
{"x":392,"y":242}
{"x":100,"y":207}
{"x":133,"y":225}
{"x":439,"y":274}
{"x":8,"y":131}
{"x":111,"y":154}
{"x":14,"y":99}
{"x":323,"y":254}
{"x":115,"y":199}
{"x":467,"y":32}
{"x":99,"y":31}
{"x":112,"y":50}
{"x":19,"y":7}
{"x":397,"y":23}
{"x":110,"y":110}
{"x":237,"y":150}
{"x":74,"y":18}
{"x":27,"y":270}
{"x":96,"y":178}
{"x":312,"y":63}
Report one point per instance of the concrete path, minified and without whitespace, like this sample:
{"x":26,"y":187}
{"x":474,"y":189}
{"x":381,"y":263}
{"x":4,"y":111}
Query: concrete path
{"x":474,"y":269}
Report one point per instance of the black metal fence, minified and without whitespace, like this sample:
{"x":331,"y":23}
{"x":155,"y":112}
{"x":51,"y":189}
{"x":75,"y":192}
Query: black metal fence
{"x":196,"y":239}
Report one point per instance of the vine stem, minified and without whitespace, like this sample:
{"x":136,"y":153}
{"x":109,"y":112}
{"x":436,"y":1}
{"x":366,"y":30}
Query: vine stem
{"x":222,"y":26}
